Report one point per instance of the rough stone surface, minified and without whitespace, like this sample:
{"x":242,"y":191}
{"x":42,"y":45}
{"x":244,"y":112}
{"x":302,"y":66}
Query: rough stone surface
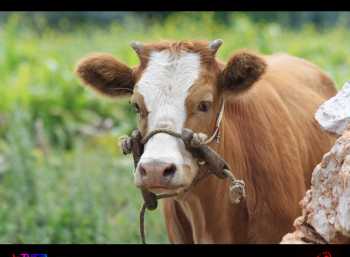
{"x":326,"y":206}
{"x":334,"y":114}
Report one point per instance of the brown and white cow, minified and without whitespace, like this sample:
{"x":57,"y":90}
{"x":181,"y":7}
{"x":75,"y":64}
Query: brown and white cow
{"x":268,"y":133}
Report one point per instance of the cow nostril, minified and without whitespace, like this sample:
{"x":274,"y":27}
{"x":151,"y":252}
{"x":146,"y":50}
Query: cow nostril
{"x":169,"y":171}
{"x":142,"y":171}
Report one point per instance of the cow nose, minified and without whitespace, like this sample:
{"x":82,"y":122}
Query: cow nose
{"x":156,"y":174}
{"x":159,"y":169}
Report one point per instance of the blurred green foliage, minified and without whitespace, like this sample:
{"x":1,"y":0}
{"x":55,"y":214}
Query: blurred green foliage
{"x":291,"y":19}
{"x":62,"y":177}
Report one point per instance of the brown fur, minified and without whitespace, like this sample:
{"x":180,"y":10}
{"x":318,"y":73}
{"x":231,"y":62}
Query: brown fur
{"x":106,"y":74}
{"x":241,"y":71}
{"x":137,"y":98}
{"x":200,"y":47}
{"x":268,"y":136}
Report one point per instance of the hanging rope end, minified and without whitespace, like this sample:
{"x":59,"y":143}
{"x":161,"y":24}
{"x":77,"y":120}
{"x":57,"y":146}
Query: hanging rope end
{"x":142,"y":223}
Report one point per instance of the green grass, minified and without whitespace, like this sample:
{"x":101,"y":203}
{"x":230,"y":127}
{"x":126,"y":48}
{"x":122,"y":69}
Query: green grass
{"x":59,"y":185}
{"x":82,"y":195}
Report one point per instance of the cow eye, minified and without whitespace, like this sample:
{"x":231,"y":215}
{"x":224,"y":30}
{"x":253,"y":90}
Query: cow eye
{"x":204,"y":106}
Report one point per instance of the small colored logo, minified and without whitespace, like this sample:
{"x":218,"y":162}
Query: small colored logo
{"x":30,"y":255}
{"x":325,"y":254}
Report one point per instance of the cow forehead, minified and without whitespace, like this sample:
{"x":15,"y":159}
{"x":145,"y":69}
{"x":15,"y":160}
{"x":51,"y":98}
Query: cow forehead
{"x":165,"y":83}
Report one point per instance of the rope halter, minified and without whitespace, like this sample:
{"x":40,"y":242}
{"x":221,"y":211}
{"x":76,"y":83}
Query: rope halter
{"x":197,"y":145}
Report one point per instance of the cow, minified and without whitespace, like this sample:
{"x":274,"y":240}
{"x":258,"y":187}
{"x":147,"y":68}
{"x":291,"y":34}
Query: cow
{"x":268,"y":134}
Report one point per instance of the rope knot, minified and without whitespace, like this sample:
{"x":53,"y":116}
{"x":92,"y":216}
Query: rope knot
{"x":237,"y":191}
{"x":198,"y":139}
{"x":125,"y":143}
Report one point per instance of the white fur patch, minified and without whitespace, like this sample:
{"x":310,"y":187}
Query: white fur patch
{"x":164,"y":85}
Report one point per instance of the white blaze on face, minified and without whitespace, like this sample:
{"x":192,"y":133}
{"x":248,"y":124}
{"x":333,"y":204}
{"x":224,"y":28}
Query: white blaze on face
{"x":164,"y":85}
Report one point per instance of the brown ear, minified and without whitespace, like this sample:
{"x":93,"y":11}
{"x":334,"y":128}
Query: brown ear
{"x":242,"y":70}
{"x":106,"y":75}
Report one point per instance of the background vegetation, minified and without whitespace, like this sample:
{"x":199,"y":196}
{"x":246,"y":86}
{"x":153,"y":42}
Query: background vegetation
{"x":62,"y":176}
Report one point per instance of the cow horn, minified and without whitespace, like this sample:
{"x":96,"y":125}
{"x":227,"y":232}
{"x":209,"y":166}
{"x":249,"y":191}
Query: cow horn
{"x":137,"y":46}
{"x":215,"y":45}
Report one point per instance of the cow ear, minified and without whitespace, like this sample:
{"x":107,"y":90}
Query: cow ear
{"x":242,"y":71}
{"x":105,"y":74}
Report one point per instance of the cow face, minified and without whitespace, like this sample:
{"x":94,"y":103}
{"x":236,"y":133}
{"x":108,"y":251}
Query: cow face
{"x":176,"y":85}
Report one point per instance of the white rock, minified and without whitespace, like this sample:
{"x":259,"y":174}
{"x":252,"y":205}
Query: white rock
{"x":326,"y":206}
{"x":334,"y":114}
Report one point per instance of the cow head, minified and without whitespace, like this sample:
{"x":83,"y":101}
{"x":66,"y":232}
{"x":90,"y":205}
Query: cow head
{"x":176,"y":85}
